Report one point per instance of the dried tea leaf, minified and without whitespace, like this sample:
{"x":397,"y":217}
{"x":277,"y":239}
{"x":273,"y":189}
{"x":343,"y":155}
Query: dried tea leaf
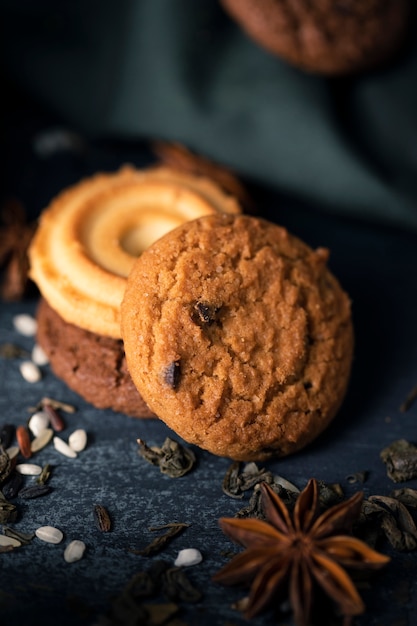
{"x":401,"y":460}
{"x":396,"y":522}
{"x":159,"y":543}
{"x":177,"y":586}
{"x":406,"y":496}
{"x":34,"y":491}
{"x":160,"y":613}
{"x":24,"y":538}
{"x":8,"y":511}
{"x":12,"y":486}
{"x":44,"y":475}
{"x":236,"y":482}
{"x":6,"y":465}
{"x":172,"y":458}
{"x":231,"y":484}
{"x":329,"y":493}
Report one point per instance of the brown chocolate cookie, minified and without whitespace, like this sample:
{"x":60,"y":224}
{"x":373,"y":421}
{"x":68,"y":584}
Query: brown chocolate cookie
{"x":325,"y":36}
{"x":238,"y":336}
{"x":92,"y":365}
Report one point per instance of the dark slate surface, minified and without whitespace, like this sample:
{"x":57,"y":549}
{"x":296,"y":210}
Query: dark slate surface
{"x":377,"y":266}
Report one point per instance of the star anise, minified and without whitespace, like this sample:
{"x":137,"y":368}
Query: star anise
{"x":179,"y":157}
{"x":15,"y":236}
{"x":299,"y":554}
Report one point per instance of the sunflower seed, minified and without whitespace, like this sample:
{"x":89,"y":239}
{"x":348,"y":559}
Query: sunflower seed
{"x":25,"y":324}
{"x":39,"y":356}
{"x":30,"y":372}
{"x":62,"y":447}
{"x":38,"y":422}
{"x":187,"y":557}
{"x":23,"y":441}
{"x":9,"y":541}
{"x":74,"y":551}
{"x":41,"y":440}
{"x":28,"y":469}
{"x":34,"y":491}
{"x":78,"y":440}
{"x":55,"y":419}
{"x":13,"y":451}
{"x":49,"y":534}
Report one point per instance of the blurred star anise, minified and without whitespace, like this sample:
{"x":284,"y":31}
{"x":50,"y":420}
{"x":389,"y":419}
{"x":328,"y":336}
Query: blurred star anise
{"x":299,"y":554}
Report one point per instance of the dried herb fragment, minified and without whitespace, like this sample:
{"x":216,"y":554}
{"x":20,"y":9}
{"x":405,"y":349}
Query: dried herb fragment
{"x":299,"y":554}
{"x":8,"y":511}
{"x":172,"y":458}
{"x":102,"y":518}
{"x":406,"y":496}
{"x":159,"y":543}
{"x":172,"y":375}
{"x":400,"y":459}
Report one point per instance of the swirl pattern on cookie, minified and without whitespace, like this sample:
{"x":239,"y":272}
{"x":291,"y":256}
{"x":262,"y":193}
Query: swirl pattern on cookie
{"x":89,"y":236}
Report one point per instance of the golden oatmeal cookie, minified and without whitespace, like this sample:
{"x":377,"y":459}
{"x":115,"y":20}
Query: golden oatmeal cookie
{"x":238,"y":336}
{"x":90,"y":235}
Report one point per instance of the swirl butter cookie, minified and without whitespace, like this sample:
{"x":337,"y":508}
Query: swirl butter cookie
{"x":238,"y":336}
{"x":83,"y":249}
{"x":325,"y":36}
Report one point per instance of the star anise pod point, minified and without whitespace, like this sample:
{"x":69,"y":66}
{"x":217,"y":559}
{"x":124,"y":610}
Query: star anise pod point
{"x":298,"y":554}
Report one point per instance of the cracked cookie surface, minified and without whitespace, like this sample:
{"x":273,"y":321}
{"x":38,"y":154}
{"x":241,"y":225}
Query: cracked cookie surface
{"x":238,"y":336}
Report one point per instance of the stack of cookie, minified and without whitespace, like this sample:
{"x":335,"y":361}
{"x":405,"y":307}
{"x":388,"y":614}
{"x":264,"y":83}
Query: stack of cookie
{"x":229,"y":329}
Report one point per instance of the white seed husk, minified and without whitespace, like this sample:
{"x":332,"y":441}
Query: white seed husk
{"x":38,"y":422}
{"x":64,"y":448}
{"x":28,"y":469}
{"x":74,"y":551}
{"x":13,"y":451}
{"x":30,"y":371}
{"x":25,"y":324}
{"x":42,"y":440}
{"x":188,"y":557}
{"x":39,"y":355}
{"x":50,"y":534}
{"x":9,"y":541}
{"x":78,"y":440}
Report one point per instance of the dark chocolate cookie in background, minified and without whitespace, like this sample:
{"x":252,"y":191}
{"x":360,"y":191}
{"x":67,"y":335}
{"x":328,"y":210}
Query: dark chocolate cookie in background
{"x":325,"y":36}
{"x":72,"y":352}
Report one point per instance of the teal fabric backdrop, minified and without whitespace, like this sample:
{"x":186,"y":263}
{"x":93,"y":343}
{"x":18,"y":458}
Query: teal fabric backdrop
{"x":182,"y":70}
